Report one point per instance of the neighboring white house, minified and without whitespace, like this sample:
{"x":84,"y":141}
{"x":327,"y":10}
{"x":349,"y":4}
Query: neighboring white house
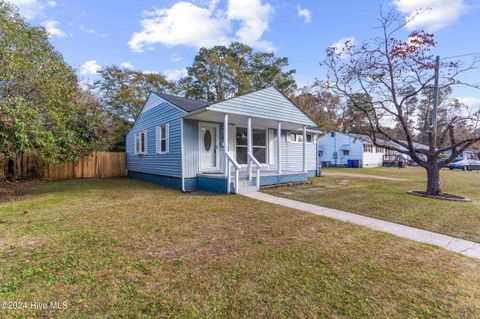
{"x":469,"y":153}
{"x":337,"y":149}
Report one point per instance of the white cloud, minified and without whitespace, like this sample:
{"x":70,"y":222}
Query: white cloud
{"x":304,"y":13}
{"x":175,"y":57}
{"x":52,"y":28}
{"x":470,"y":102}
{"x":176,"y":74}
{"x":90,"y":68}
{"x":90,"y":30}
{"x":343,"y":44}
{"x":204,"y":25}
{"x":126,"y":65}
{"x":31,"y":9}
{"x":431,"y":14}
{"x":183,"y":23}
{"x":28,"y":8}
{"x":254,"y":17}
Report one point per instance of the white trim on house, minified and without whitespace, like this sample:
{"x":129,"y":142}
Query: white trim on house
{"x":271,"y":146}
{"x":159,"y":138}
{"x":299,"y":137}
{"x":138,"y":145}
{"x":216,"y":147}
{"x":182,"y":154}
{"x":267,"y":148}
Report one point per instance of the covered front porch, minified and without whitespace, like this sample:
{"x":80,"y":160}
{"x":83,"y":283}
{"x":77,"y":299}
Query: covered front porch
{"x":237,"y":153}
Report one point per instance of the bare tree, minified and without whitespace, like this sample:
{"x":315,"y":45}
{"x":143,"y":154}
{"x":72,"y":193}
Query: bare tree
{"x":322,"y":106}
{"x":392,"y":73}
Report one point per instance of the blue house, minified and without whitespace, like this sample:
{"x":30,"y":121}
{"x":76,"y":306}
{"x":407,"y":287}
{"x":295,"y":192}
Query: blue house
{"x":233,"y":146}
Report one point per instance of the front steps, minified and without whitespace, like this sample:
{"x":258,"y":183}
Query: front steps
{"x":245,"y":186}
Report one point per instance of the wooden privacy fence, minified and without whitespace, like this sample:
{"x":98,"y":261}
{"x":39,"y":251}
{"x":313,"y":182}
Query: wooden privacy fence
{"x":99,"y":164}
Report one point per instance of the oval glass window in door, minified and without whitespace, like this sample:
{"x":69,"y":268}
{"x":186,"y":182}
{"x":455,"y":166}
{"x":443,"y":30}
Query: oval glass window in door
{"x":207,"y":140}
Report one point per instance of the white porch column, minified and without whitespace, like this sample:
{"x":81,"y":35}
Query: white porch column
{"x":279,"y":146}
{"x":225,"y":144}
{"x":305,"y":149}
{"x":249,"y":147}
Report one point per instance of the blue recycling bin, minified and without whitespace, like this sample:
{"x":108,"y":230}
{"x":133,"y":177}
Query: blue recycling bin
{"x":349,"y":163}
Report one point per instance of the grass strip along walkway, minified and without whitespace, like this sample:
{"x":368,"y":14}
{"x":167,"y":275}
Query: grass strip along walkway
{"x":461,"y":246}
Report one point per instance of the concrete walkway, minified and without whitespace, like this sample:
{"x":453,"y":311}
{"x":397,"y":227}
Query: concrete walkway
{"x":461,"y":246}
{"x":343,"y":174}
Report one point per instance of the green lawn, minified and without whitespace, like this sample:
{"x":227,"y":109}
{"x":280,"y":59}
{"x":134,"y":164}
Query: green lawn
{"x":388,"y":199}
{"x":123,"y":248}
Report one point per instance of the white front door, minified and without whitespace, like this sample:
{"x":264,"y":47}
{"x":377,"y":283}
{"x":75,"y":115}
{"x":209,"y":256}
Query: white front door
{"x":209,"y":157}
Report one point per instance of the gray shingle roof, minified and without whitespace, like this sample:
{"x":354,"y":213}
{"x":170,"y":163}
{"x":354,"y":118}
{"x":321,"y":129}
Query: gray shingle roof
{"x":186,"y":104}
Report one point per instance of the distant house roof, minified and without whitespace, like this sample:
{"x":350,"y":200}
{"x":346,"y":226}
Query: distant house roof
{"x":186,"y":104}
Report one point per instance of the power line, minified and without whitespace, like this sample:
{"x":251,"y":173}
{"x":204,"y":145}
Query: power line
{"x":461,"y":55}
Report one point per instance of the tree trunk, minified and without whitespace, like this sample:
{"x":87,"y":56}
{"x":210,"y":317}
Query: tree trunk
{"x":433,"y":179}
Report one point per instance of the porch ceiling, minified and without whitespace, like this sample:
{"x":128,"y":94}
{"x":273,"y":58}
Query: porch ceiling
{"x":240,"y":120}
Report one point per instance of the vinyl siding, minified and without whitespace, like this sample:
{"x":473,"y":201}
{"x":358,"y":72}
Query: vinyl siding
{"x":267,"y":103}
{"x":333,"y":144}
{"x":161,"y":164}
{"x":330,"y":144}
{"x":190,"y":146}
{"x":372,"y":159}
{"x":152,"y":101}
{"x":292,"y":153}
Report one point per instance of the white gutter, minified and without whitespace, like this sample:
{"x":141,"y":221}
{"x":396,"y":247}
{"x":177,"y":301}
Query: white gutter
{"x":208,"y":108}
{"x":182,"y":151}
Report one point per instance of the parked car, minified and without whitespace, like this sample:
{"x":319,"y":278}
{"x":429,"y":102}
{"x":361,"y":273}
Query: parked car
{"x":465,"y":164}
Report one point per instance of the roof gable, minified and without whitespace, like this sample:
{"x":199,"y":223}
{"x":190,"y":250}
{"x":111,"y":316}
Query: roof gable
{"x":267,"y":103}
{"x":153,"y":100}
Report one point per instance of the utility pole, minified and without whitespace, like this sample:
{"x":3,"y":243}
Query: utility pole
{"x":435,"y":103}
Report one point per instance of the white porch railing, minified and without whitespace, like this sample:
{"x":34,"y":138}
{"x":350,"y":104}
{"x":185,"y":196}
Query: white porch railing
{"x":229,"y":161}
{"x":258,"y":166}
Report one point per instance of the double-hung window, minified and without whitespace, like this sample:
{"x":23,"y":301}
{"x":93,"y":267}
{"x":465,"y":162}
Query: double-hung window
{"x":141,"y":142}
{"x":368,"y":148}
{"x":162,"y":139}
{"x":259,"y":145}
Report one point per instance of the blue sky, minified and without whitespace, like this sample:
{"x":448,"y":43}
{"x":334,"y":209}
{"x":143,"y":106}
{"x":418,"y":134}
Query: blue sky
{"x":164,"y":35}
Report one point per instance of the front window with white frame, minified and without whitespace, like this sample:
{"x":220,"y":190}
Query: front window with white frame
{"x":162,"y":139}
{"x":259,"y":145}
{"x":141,"y":143}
